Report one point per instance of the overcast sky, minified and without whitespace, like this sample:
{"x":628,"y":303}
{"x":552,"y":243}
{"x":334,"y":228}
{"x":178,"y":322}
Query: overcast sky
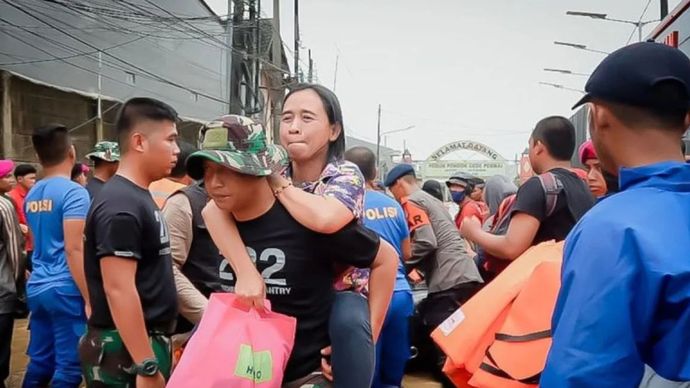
{"x":456,"y":69}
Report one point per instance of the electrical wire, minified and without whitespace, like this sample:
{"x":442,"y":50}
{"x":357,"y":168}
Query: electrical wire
{"x":159,"y":78}
{"x":117,"y":28}
{"x":70,"y":56}
{"x":456,"y":125}
{"x":80,"y":67}
{"x":94,"y":118}
{"x":144,"y":13}
{"x":74,"y":50}
{"x":90,"y":120}
{"x":235,"y":50}
{"x":122,"y":15}
{"x":153,"y":42}
{"x":632,"y":33}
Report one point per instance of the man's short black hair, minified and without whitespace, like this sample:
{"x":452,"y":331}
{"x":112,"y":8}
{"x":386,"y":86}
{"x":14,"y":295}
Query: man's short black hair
{"x":98,"y":162}
{"x":51,"y":143}
{"x":23,"y":170}
{"x":558,"y":136}
{"x":180,"y":169}
{"x":365,"y":159}
{"x":138,"y":109}
{"x":660,"y":116}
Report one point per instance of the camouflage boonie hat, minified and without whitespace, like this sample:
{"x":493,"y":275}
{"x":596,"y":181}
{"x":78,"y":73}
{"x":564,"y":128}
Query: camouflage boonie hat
{"x":238,"y":143}
{"x":105,"y":150}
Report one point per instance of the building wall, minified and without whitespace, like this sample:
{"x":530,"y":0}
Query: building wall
{"x":156,"y":50}
{"x":33,"y":105}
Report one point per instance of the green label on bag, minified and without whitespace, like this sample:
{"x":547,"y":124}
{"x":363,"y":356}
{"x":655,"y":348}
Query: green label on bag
{"x":255,"y":366}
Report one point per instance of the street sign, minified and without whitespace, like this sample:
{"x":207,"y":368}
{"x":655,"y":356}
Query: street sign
{"x":444,"y":169}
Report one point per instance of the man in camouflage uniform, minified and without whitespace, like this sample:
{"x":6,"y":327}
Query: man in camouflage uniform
{"x":296,"y":263}
{"x":127,"y":258}
{"x":196,"y":260}
{"x":106,"y":158}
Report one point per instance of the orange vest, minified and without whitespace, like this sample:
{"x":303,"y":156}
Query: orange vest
{"x":500,"y":338}
{"x":162,"y":189}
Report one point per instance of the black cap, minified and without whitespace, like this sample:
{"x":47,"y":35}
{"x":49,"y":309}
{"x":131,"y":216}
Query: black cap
{"x":398,"y":172}
{"x":460,"y":177}
{"x":629,"y":75}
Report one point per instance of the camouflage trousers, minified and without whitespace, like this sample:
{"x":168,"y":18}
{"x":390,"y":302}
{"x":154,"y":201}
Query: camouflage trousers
{"x":106,"y":362}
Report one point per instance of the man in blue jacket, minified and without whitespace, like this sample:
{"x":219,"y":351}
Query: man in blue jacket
{"x":625,"y":297}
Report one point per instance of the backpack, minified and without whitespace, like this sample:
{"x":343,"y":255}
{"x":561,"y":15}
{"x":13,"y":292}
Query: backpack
{"x":491,"y":265}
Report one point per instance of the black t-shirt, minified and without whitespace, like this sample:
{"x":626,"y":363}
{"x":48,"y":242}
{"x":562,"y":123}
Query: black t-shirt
{"x":297,"y":265}
{"x":94,"y":186}
{"x":573,"y":201}
{"x":125,"y":222}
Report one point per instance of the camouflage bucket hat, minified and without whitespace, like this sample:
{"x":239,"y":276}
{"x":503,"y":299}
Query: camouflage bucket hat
{"x":238,"y":143}
{"x":105,"y":150}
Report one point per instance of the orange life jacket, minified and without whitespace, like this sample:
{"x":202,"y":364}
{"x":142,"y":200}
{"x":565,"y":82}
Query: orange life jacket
{"x":501,"y":336}
{"x":162,"y":189}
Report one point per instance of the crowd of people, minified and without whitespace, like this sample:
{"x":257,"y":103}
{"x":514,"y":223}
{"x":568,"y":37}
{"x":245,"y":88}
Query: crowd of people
{"x":115,"y":264}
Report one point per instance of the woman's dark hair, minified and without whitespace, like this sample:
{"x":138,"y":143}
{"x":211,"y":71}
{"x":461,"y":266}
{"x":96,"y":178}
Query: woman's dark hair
{"x":77,"y":170}
{"x":434,"y":188}
{"x":331,"y":105}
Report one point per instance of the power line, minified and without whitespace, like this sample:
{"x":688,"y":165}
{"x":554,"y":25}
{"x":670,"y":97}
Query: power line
{"x":112,"y":64}
{"x":74,"y":65}
{"x":144,"y":13}
{"x":69,"y":56}
{"x":92,"y":119}
{"x":458,"y":125}
{"x":638,"y":26}
{"x":161,"y":79}
{"x":118,"y":13}
{"x":117,"y":28}
{"x":213,"y":38}
{"x":74,"y":50}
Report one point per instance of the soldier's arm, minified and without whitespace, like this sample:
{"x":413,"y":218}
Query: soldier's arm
{"x":423,"y":238}
{"x":424,"y":244}
{"x":250,"y":287}
{"x":119,"y":247}
{"x":125,"y":305}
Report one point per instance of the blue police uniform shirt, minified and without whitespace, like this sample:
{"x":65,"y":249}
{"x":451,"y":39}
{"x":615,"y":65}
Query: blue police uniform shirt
{"x":383,"y":215}
{"x":49,"y":203}
{"x":625,"y":296}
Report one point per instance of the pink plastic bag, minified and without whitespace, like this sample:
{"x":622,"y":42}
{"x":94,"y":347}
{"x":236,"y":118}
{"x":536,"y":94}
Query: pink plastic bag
{"x":236,"y":347}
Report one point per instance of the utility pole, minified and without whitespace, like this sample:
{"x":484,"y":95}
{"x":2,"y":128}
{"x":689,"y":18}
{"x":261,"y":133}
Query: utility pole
{"x":664,"y":9}
{"x":257,"y":60}
{"x":229,"y":45}
{"x":297,"y":40}
{"x":310,"y":76}
{"x":639,"y":32}
{"x":277,"y":59}
{"x":335,"y":77}
{"x":378,"y":139}
{"x":99,"y":102}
